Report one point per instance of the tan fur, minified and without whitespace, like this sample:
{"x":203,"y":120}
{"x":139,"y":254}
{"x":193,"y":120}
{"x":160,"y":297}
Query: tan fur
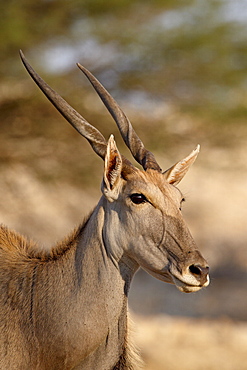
{"x":19,"y":257}
{"x":17,"y":248}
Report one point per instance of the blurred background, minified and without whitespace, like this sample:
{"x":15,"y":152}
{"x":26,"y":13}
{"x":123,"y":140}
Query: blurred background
{"x":178,"y":69}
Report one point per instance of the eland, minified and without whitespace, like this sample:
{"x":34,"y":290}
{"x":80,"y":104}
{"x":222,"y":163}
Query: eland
{"x":66,"y":308}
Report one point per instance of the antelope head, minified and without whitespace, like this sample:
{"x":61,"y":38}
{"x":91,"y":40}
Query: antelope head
{"x":143,"y":222}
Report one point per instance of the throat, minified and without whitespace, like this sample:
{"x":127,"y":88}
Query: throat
{"x":127,"y":267}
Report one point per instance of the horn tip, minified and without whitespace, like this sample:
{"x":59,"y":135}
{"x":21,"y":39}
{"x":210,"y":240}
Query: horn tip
{"x":80,"y":66}
{"x":21,"y":54}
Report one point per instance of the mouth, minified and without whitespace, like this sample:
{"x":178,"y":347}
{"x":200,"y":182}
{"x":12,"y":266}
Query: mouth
{"x":188,"y":287}
{"x":186,"y":283}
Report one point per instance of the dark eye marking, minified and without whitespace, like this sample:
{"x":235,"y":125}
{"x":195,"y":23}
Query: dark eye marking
{"x":138,"y":198}
{"x":182,"y":201}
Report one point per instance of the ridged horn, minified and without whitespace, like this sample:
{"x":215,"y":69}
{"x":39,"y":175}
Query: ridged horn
{"x":144,"y":157}
{"x":94,"y":137}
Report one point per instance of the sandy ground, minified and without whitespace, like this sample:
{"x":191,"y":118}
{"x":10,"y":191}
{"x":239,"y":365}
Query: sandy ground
{"x":191,"y":344}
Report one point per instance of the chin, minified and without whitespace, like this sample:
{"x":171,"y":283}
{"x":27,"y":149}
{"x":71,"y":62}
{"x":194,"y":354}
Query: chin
{"x":187,"y":288}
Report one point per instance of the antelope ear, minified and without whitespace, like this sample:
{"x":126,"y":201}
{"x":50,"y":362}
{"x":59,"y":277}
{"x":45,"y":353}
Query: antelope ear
{"x":112,"y":171}
{"x":175,"y":174}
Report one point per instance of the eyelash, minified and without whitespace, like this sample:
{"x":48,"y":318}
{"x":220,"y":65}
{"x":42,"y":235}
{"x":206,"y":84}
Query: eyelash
{"x":140,"y":198}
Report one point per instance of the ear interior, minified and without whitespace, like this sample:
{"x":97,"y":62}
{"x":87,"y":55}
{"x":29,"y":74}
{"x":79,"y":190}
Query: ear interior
{"x":112,"y":170}
{"x":176,"y":173}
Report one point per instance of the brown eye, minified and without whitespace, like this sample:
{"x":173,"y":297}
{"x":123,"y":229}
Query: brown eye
{"x":138,"y":198}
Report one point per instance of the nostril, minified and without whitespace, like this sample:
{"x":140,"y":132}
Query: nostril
{"x":195,"y":270}
{"x":199,"y":270}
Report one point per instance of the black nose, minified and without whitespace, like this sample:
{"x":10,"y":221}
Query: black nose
{"x":201,"y":273}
